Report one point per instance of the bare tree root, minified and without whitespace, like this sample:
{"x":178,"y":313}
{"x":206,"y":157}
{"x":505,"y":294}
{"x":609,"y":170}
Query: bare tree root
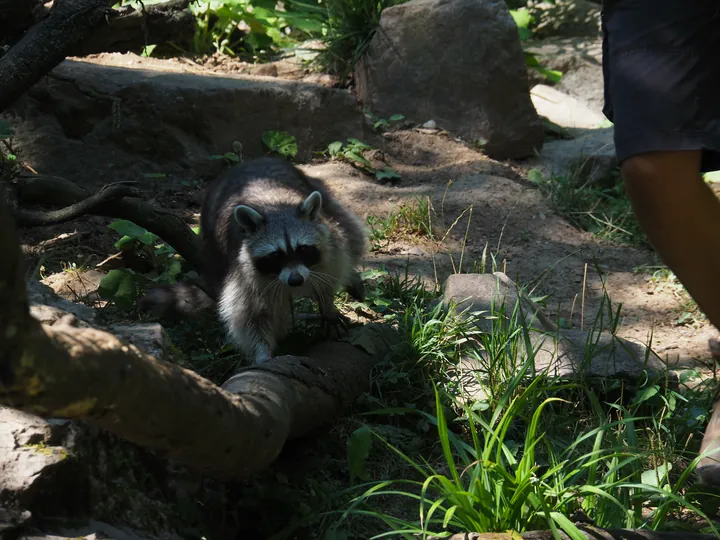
{"x":53,"y":190}
{"x":46,"y":44}
{"x":61,"y":371}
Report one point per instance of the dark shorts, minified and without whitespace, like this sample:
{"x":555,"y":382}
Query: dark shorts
{"x":661,"y":65}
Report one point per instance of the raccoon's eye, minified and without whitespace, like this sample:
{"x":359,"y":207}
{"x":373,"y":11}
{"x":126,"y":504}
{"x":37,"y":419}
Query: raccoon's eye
{"x":309,"y":255}
{"x":270,"y":264}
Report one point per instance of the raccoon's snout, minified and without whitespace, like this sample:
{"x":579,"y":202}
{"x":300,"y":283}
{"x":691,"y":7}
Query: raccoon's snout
{"x":295,"y":279}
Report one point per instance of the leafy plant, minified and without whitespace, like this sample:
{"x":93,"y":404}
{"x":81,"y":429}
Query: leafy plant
{"x":523,"y":19}
{"x":352,"y":152}
{"x":383,"y":123}
{"x":233,"y":27}
{"x":231,"y":158}
{"x":122,"y":286}
{"x":280,"y":142}
{"x":412,"y":219}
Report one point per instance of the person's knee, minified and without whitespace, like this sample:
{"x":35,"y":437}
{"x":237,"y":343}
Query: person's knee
{"x":656,"y":171}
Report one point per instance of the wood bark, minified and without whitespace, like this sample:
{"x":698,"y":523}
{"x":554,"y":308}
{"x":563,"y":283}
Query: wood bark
{"x":47,"y":43}
{"x":79,"y":27}
{"x":131,"y":30}
{"x":591,"y":533}
{"x":62,"y":371}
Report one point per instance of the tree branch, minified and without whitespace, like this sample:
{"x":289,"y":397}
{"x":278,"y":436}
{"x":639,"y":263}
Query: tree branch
{"x":45,"y":45}
{"x":53,"y":190}
{"x":108,"y":194}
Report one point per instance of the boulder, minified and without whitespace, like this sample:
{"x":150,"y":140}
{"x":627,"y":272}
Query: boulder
{"x":96,"y":124}
{"x":459,"y":63}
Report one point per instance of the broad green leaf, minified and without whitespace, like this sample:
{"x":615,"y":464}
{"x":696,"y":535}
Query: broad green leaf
{"x":128,"y":228}
{"x":119,"y":286}
{"x":334,"y":148}
{"x":656,"y":476}
{"x":397,"y":117}
{"x":358,"y":449}
{"x":645,"y":394}
{"x":387,"y":172}
{"x":280,"y":142}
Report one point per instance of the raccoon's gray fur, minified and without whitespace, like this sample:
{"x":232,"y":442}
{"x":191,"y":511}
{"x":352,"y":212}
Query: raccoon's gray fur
{"x":271,"y":233}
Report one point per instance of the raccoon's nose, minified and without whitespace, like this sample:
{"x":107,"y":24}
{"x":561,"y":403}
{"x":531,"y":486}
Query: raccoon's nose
{"x":295,"y":279}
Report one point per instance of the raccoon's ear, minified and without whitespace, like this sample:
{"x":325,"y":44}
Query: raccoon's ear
{"x":247,"y":218}
{"x":310,"y":207}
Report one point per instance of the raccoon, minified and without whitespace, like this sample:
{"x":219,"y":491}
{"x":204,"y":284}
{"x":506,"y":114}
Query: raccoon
{"x":270,"y":234}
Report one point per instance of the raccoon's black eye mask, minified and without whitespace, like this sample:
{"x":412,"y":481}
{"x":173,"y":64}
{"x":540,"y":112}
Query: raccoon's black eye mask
{"x":273,"y":263}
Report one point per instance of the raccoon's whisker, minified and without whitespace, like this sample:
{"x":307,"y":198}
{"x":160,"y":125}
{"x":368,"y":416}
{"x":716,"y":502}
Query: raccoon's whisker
{"x":324,"y":275}
{"x":271,"y":284}
{"x":318,"y":292}
{"x":321,"y":279}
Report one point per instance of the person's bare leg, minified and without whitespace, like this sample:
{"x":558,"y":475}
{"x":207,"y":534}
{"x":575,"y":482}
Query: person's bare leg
{"x":681,"y":217}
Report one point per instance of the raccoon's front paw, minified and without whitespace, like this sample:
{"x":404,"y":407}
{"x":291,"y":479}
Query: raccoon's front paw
{"x":335,"y":324}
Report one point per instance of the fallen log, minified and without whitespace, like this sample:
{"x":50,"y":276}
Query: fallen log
{"x":131,"y":30}
{"x":591,"y":533}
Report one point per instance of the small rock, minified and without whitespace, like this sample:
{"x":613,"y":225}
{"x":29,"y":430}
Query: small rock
{"x":430,"y":124}
{"x":76,"y":286}
{"x":48,"y":307}
{"x":151,"y":338}
{"x":485,"y":292}
{"x":564,"y":110}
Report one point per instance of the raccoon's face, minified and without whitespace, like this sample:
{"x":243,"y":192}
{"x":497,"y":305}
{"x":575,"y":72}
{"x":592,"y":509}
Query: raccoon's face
{"x":285,"y":246}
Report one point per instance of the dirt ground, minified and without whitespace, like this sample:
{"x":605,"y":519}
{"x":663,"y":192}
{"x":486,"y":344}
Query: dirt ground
{"x":509,"y":214}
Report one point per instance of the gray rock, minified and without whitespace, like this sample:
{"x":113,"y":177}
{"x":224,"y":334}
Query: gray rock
{"x":458,"y":62}
{"x":96,"y":530}
{"x":47,"y":307}
{"x":38,"y":467}
{"x":580,"y":61}
{"x":560,"y":353}
{"x":489,"y":295}
{"x":590,"y":154}
{"x":564,"y":110}
{"x":129,"y":122}
{"x":151,"y":338}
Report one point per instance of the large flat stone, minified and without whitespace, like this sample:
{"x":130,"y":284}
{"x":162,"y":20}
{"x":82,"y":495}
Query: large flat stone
{"x":127,"y":122}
